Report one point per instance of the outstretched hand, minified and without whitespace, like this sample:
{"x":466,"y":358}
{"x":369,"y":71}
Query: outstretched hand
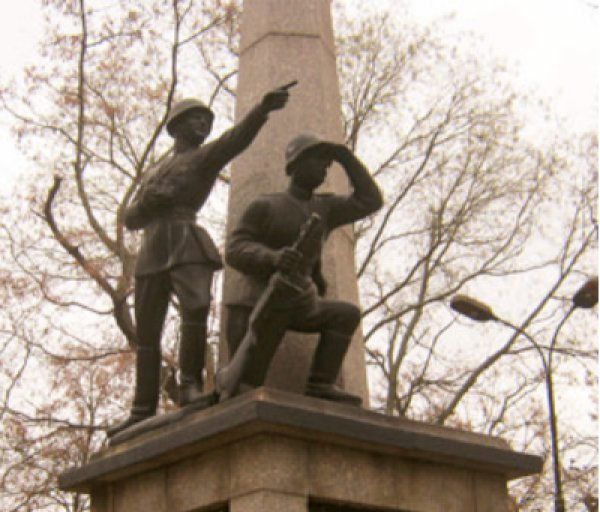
{"x":277,"y":98}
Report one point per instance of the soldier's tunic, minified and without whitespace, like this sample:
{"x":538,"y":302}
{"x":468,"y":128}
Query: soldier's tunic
{"x":272,"y":222}
{"x":171,"y":236}
{"x":174,"y":248}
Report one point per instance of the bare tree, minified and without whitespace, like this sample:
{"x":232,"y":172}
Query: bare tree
{"x":468,"y":200}
{"x":471,"y":205}
{"x":90,"y":116}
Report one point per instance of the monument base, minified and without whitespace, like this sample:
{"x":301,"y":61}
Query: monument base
{"x":272,"y":451}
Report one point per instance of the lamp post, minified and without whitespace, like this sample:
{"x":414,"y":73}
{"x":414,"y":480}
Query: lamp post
{"x":586,"y":297}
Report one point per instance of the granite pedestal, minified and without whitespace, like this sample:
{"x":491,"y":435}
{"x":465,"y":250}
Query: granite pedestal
{"x":272,"y":451}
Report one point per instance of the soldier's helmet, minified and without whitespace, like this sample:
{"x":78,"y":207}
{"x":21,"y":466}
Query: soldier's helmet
{"x":184,"y":106}
{"x":297,"y":146}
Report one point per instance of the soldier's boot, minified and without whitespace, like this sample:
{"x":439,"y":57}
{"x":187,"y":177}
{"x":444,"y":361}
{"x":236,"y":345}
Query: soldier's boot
{"x":326,"y":365}
{"x":192,"y":348}
{"x":147,"y":382}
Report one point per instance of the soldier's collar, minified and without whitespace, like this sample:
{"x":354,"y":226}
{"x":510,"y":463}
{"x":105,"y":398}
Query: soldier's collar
{"x":299,"y":193}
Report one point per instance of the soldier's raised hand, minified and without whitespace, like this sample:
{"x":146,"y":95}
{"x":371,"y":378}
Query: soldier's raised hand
{"x":335,"y":151}
{"x":277,"y":98}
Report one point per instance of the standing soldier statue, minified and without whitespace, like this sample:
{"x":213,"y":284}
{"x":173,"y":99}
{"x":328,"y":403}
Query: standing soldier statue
{"x":177,"y":256}
{"x":277,"y":247}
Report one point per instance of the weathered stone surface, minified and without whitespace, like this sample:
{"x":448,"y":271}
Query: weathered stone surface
{"x":198,"y":481}
{"x":352,"y":476}
{"x":302,"y":18}
{"x":267,"y":412}
{"x":268,"y":501}
{"x":101,"y":498}
{"x":274,"y":473}
{"x":490,"y":492}
{"x":280,"y":42}
{"x":277,"y":473}
{"x":141,"y":493}
{"x":439,"y":488}
{"x":269,"y":463}
{"x":269,"y":450}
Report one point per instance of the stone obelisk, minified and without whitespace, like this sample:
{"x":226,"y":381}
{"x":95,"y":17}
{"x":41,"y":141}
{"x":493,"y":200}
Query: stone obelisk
{"x":282,"y":41}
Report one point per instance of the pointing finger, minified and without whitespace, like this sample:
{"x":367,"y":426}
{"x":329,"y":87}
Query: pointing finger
{"x":286,"y":87}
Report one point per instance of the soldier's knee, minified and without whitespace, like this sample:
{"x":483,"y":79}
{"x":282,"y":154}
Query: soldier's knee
{"x":353,"y":316}
{"x":347,"y":318}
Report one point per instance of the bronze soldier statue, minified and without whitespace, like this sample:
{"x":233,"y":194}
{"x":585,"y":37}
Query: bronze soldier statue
{"x":177,"y":256}
{"x":266,"y":244}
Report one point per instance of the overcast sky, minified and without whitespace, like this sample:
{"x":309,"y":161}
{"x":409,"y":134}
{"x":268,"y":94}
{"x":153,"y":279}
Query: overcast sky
{"x":552,"y":45}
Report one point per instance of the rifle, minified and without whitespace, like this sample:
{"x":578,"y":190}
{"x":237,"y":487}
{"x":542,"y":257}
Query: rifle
{"x":228,"y":378}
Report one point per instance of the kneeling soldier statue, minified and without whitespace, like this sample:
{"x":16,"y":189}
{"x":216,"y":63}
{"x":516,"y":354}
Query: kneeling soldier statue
{"x":177,"y":256}
{"x":277,"y":247}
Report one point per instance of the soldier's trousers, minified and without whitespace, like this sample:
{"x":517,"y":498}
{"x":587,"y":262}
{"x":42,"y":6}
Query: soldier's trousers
{"x":334,"y":320}
{"x":191,"y":285}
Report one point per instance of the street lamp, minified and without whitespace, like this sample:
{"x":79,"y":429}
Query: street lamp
{"x":471,"y":308}
{"x":586,"y":297}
